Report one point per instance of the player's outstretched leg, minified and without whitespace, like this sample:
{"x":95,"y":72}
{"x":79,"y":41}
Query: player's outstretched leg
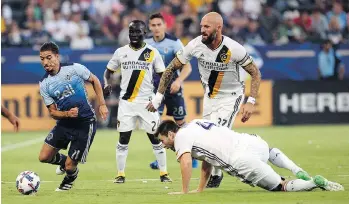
{"x":72,"y":172}
{"x":279,"y":159}
{"x":160,"y":154}
{"x":317,"y":182}
{"x":327,"y":185}
{"x":49,"y":154}
{"x":121,"y":156}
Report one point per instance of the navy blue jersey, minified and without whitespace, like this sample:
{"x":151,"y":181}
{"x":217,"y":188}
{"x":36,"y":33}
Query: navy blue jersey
{"x":168,"y":47}
{"x":67,"y":90}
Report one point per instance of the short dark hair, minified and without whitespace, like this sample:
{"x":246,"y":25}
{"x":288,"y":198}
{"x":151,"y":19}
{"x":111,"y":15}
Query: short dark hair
{"x":165,"y":127}
{"x":139,"y":21}
{"x":50,"y":46}
{"x":156,"y":15}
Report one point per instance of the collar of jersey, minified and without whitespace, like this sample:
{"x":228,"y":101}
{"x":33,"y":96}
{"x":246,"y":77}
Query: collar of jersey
{"x":218,"y":45}
{"x":165,"y":36}
{"x":143,"y":45}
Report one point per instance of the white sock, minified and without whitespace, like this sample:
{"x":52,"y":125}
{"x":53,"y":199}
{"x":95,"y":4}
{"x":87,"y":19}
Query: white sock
{"x":216,"y":172}
{"x":121,"y":155}
{"x":279,"y":159}
{"x":299,"y":185}
{"x":160,"y":154}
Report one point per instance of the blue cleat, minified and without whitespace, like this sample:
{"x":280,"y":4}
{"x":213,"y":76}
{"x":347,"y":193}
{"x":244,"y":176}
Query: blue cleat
{"x":195,"y":163}
{"x":154,"y":165}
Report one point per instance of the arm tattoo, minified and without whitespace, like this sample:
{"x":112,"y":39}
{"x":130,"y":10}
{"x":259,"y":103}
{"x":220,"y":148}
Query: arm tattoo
{"x":168,"y":74}
{"x":256,"y":78}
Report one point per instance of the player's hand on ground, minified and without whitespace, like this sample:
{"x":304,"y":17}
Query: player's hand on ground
{"x":73,"y":112}
{"x":15,"y":122}
{"x":150,"y":107}
{"x":194,"y":191}
{"x":246,"y":111}
{"x":175,"y":193}
{"x":107,"y":90}
{"x":103,"y":111}
{"x":176,"y":85}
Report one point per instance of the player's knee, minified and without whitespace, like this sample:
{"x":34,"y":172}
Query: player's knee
{"x":70,"y":164}
{"x":152,"y":139}
{"x":44,"y":158}
{"x":125,"y":137}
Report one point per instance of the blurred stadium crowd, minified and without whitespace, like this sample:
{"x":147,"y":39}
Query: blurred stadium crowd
{"x":83,"y":24}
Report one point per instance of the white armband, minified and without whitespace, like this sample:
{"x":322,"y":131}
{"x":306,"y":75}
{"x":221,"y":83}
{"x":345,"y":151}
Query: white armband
{"x":157,"y":100}
{"x":251,"y":100}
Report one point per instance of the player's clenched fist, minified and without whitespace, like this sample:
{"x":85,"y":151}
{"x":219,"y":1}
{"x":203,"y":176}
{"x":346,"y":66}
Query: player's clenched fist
{"x":73,"y":112}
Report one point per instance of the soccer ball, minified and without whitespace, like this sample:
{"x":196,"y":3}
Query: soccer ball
{"x":27,"y":182}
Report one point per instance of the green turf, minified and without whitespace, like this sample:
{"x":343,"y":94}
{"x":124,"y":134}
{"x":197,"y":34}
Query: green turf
{"x":318,"y":149}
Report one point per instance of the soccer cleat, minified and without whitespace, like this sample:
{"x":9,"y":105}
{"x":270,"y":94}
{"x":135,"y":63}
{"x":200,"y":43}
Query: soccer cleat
{"x":165,"y":178}
{"x":66,"y":184}
{"x":303,"y":175}
{"x":327,"y":185}
{"x":120,"y":179}
{"x":154,"y":165}
{"x":60,"y":170}
{"x":214,"y":181}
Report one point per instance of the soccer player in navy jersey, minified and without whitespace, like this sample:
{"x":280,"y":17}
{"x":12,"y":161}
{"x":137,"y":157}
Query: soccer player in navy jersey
{"x":63,"y":91}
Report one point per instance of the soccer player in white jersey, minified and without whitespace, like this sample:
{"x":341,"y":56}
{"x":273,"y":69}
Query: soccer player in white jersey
{"x":137,"y":62}
{"x":219,"y":58}
{"x":239,"y":154}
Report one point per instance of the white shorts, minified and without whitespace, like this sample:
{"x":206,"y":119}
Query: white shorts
{"x":130,"y":112}
{"x":250,"y":163}
{"x":222,"y":110}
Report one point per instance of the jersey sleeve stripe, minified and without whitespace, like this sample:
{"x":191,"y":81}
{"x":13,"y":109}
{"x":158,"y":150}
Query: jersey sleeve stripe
{"x":245,"y":61}
{"x":134,"y":85}
{"x":214,"y":82}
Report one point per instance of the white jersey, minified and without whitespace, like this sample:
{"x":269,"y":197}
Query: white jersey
{"x":205,"y":141}
{"x":137,"y":71}
{"x":219,"y":68}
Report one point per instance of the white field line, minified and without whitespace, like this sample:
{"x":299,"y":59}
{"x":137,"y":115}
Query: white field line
{"x":22,"y":144}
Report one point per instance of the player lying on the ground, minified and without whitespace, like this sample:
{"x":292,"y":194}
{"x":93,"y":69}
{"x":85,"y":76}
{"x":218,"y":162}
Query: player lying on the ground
{"x":64,"y":93}
{"x":239,"y":154}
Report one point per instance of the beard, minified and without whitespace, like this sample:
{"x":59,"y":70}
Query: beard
{"x":210,"y":38}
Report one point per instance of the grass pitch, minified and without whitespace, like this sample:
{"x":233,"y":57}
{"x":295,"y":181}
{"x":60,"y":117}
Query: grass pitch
{"x":320,"y":150}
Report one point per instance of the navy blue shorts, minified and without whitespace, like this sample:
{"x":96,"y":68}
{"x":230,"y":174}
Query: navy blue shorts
{"x":175,"y":106}
{"x":79,"y":135}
